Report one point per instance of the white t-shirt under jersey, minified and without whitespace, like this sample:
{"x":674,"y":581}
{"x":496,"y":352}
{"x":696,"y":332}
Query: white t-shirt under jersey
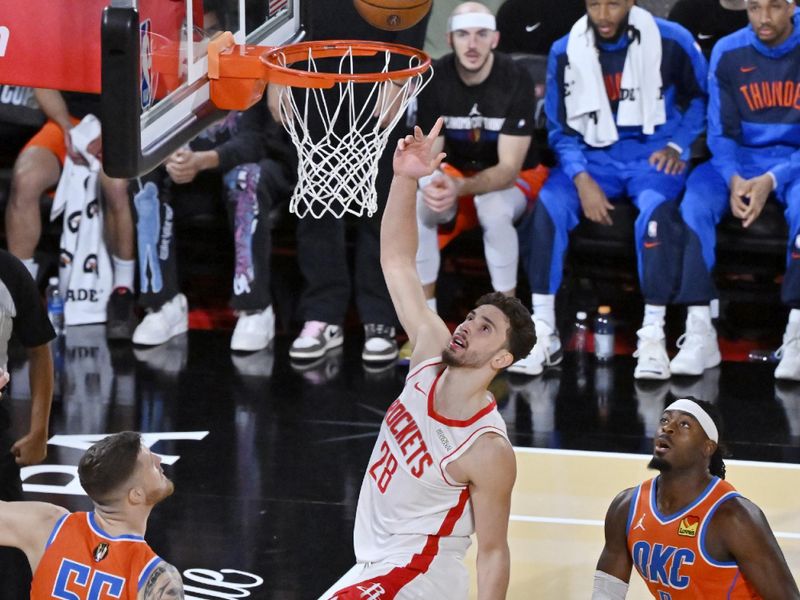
{"x":409,"y":505}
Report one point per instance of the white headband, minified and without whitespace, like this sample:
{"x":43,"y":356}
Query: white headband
{"x":467,"y":20}
{"x":694,"y":409}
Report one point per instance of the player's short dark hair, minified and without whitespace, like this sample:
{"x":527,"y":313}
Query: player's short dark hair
{"x":521,"y":335}
{"x":716,"y":464}
{"x":109,"y":463}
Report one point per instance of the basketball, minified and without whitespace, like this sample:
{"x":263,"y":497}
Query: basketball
{"x":392,"y":15}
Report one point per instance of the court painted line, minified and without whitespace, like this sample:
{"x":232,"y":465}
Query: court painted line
{"x":596,"y":523}
{"x":642,"y":457}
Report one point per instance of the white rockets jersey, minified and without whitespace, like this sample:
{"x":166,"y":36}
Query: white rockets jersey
{"x":409,"y":504}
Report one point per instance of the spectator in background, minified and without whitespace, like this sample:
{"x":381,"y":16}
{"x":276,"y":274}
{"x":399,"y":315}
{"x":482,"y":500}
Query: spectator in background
{"x":436,"y":34}
{"x":533,"y":26}
{"x":625,"y":100}
{"x":249,"y":153}
{"x":38,"y":169}
{"x":321,"y":243}
{"x":709,"y":20}
{"x":754,"y":138}
{"x":488,"y":104}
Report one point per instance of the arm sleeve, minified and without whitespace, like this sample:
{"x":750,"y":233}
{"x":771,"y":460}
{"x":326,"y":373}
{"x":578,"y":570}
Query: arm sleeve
{"x":724,"y":126}
{"x":608,"y":587}
{"x":247,"y":145}
{"x":692,"y":88}
{"x":564,"y":141}
{"x":521,"y":112}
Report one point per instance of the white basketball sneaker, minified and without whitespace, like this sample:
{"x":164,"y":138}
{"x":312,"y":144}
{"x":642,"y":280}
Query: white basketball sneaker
{"x":546,"y":352}
{"x":254,"y":331}
{"x":651,"y":351}
{"x":161,"y":325}
{"x":789,"y":353}
{"x":699,"y":349}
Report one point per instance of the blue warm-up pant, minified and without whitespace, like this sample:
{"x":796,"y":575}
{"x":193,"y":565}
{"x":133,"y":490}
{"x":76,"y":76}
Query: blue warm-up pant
{"x":706,"y":201}
{"x":658,"y":230}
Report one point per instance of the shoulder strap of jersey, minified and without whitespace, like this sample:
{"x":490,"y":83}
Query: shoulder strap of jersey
{"x":57,"y":529}
{"x":423,"y":366}
{"x":640,"y":494}
{"x":466,"y":445}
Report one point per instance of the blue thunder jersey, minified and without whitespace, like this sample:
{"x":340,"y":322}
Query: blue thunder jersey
{"x":683,"y":75}
{"x":754,"y":106}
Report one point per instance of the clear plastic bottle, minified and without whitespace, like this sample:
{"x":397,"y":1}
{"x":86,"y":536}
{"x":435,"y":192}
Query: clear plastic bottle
{"x":579,"y":344}
{"x":603,"y":334}
{"x":55,"y":305}
{"x":579,"y":340}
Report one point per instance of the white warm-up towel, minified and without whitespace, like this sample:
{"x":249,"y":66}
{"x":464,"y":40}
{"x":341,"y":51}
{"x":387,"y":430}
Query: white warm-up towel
{"x":588,"y":109}
{"x":85,"y":276}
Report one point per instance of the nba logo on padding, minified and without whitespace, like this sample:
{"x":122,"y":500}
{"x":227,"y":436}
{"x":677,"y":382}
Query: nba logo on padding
{"x":146,"y":62}
{"x":4,"y":35}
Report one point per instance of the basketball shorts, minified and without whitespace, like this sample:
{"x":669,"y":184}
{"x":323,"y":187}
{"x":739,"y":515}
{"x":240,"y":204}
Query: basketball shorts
{"x":529,"y":182}
{"x":51,"y":137}
{"x":445,"y":579}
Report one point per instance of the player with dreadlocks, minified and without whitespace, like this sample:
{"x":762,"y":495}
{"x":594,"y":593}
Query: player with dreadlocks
{"x":688,"y":531}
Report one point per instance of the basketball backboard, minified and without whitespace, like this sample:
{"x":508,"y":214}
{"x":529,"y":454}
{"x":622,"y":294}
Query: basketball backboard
{"x":155,"y":67}
{"x":147,"y":56}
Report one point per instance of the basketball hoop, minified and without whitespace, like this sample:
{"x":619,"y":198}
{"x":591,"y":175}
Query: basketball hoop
{"x":356,"y":113}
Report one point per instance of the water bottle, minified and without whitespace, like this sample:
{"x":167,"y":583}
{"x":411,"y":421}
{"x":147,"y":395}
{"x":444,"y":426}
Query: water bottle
{"x":579,"y":344}
{"x":603,"y":334}
{"x":55,"y":305}
{"x":579,"y":340}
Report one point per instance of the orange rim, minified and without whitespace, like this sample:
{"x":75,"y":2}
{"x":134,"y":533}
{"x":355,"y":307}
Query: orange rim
{"x":294,"y":53}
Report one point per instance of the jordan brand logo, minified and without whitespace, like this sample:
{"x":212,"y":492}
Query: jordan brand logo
{"x":640,"y":524}
{"x":373,"y":592}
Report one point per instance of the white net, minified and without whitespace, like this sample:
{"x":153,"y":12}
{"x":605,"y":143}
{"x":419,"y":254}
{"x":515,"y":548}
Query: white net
{"x":341,"y":132}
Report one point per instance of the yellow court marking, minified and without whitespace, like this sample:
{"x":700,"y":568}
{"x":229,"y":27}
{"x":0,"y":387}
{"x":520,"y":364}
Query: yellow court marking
{"x":560,"y":500}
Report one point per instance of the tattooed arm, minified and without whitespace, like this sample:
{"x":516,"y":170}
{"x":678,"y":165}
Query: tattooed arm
{"x":164,"y":583}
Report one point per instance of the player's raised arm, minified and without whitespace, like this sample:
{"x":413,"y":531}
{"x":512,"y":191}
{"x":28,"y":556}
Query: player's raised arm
{"x":413,"y":158}
{"x":27,"y":526}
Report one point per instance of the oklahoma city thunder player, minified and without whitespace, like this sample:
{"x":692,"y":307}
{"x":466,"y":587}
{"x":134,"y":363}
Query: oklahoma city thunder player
{"x":99,"y":554}
{"x":442,"y":467}
{"x":688,"y":532}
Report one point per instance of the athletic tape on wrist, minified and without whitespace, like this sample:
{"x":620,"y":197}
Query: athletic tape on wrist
{"x":468,"y":20}
{"x":694,"y":409}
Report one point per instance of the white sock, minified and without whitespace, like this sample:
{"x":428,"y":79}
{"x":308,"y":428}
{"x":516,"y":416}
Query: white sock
{"x":794,"y":315}
{"x":431,"y":302}
{"x":123,"y":272}
{"x":32,"y":266}
{"x":701,"y":312}
{"x":544,"y":308}
{"x":654,"y":315}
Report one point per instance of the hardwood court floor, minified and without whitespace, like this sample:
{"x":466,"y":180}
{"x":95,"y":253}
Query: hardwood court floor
{"x":560,"y":500}
{"x":268,"y":457}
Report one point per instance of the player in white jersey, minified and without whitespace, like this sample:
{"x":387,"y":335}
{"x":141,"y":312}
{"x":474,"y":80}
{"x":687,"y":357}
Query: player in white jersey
{"x":442,"y":467}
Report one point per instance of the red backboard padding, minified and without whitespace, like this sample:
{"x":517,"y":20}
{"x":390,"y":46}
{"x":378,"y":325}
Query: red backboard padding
{"x":56,"y":43}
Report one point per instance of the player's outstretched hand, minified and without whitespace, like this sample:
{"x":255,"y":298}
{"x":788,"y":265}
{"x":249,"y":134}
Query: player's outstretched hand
{"x":412,"y":158}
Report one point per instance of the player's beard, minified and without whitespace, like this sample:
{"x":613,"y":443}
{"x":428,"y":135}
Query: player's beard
{"x":160,"y":494}
{"x":659,"y":464}
{"x":450,"y":359}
